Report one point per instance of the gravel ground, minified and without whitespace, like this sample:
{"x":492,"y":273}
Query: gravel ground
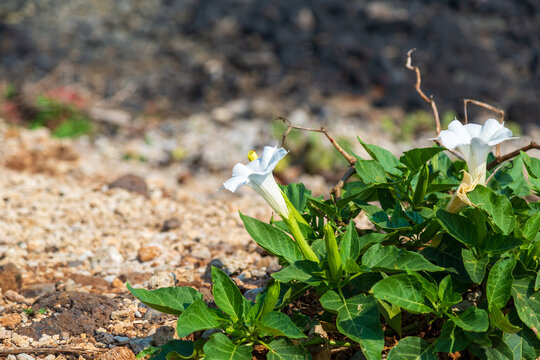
{"x":71,"y":235}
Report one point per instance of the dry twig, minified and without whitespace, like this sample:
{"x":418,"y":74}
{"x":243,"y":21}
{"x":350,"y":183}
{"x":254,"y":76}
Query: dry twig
{"x":336,"y":190}
{"x":429,"y":100}
{"x":485,"y":106}
{"x":500,"y":159}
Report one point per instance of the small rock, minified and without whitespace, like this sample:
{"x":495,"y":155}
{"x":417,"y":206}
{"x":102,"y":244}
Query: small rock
{"x":24,"y":356}
{"x":251,"y":294}
{"x":10,"y":321}
{"x":10,"y":277}
{"x":122,"y":315}
{"x":35,"y":290}
{"x":207,"y":333}
{"x":147,"y":253}
{"x":103,"y":337}
{"x":170,"y":224}
{"x":139,"y":344}
{"x":162,"y":279}
{"x":11,"y":357}
{"x":118,"y":353}
{"x":162,"y":335}
{"x":18,"y":298}
{"x":153,"y":316}
{"x":132,"y":183}
{"x":117,"y":283}
{"x":49,"y":357}
{"x":121,"y":339}
{"x":207,"y":276}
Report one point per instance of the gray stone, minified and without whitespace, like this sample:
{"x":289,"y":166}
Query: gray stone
{"x":139,"y":344}
{"x":251,"y":294}
{"x":162,"y":335}
{"x":162,"y":279}
{"x":24,"y":356}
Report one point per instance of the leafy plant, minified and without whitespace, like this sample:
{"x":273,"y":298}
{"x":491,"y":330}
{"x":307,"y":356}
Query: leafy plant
{"x":426,"y":279}
{"x":63,"y":119}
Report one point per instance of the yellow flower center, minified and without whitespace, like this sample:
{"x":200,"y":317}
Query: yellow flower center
{"x":252,"y":155}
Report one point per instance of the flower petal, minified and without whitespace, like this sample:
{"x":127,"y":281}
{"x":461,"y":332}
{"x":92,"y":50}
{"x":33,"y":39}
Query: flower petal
{"x":455,"y":136}
{"x":271,"y":156}
{"x":490,"y":127}
{"x":240,"y":176}
{"x":473,"y":130}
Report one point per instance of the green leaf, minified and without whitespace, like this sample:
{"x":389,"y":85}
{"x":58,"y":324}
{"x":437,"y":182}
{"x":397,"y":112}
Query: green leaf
{"x":279,"y":324}
{"x":392,"y":315}
{"x":297,"y":195}
{"x":412,"y":348}
{"x":527,"y":302}
{"x":359,"y":319}
{"x":304,"y":271}
{"x":472,"y":319}
{"x":448,"y":255}
{"x":227,"y":296}
{"x":458,"y":226}
{"x":219,"y":347}
{"x":402,"y":290}
{"x":391,"y":258}
{"x":452,"y":338}
{"x":388,"y":161}
{"x":500,"y":351}
{"x":272,"y":239}
{"x":196,"y":317}
{"x":499,"y":321}
{"x":414,"y":159}
{"x":532,"y":165}
{"x":174,"y":349}
{"x":520,"y":346}
{"x":370,"y":171}
{"x":446,"y":293}
{"x":476,"y":268}
{"x":372,"y":238}
{"x":282,"y":349}
{"x":169,"y":300}
{"x":537,"y":281}
{"x":497,"y":206}
{"x":517,"y":181}
{"x":532,"y":226}
{"x":499,"y":283}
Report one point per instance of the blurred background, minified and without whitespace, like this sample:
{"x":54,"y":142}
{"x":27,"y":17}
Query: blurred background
{"x":181,"y":74}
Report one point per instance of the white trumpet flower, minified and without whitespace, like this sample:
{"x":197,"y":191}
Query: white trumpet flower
{"x":474,"y":142}
{"x":258,"y":175}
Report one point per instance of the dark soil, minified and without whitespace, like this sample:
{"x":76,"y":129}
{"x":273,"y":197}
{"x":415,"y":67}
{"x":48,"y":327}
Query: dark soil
{"x":192,"y":54}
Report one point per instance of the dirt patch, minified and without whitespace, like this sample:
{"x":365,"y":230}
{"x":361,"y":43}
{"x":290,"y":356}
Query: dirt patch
{"x":72,"y":312}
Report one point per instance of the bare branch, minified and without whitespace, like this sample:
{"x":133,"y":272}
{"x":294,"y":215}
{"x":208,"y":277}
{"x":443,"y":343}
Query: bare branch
{"x":429,"y":100}
{"x":350,"y":159}
{"x":485,"y":106}
{"x":336,"y":190}
{"x":500,"y":159}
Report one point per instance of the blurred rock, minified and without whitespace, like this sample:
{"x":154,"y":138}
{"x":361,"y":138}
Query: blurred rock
{"x":139,"y":344}
{"x":132,"y":183}
{"x":10,"y":277}
{"x":162,"y":279}
{"x":35,"y":290}
{"x":170,"y":224}
{"x":163,"y":335}
{"x":10,"y":321}
{"x":147,"y":253}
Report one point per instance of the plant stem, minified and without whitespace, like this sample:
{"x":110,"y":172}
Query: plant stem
{"x":308,"y":252}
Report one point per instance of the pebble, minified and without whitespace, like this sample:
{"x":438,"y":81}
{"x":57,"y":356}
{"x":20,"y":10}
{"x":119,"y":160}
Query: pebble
{"x":147,"y":253}
{"x":10,"y":277}
{"x":11,"y":320}
{"x":162,"y":279}
{"x":18,"y":298}
{"x":162,"y":335}
{"x":139,"y":344}
{"x":49,"y":357}
{"x":35,"y":290}
{"x":122,"y":315}
{"x":24,"y":356}
{"x":170,"y":224}
{"x":132,"y":183}
{"x":106,"y":257}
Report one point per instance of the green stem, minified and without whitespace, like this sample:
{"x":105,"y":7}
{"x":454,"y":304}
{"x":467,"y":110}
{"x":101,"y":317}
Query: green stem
{"x":308,"y":252}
